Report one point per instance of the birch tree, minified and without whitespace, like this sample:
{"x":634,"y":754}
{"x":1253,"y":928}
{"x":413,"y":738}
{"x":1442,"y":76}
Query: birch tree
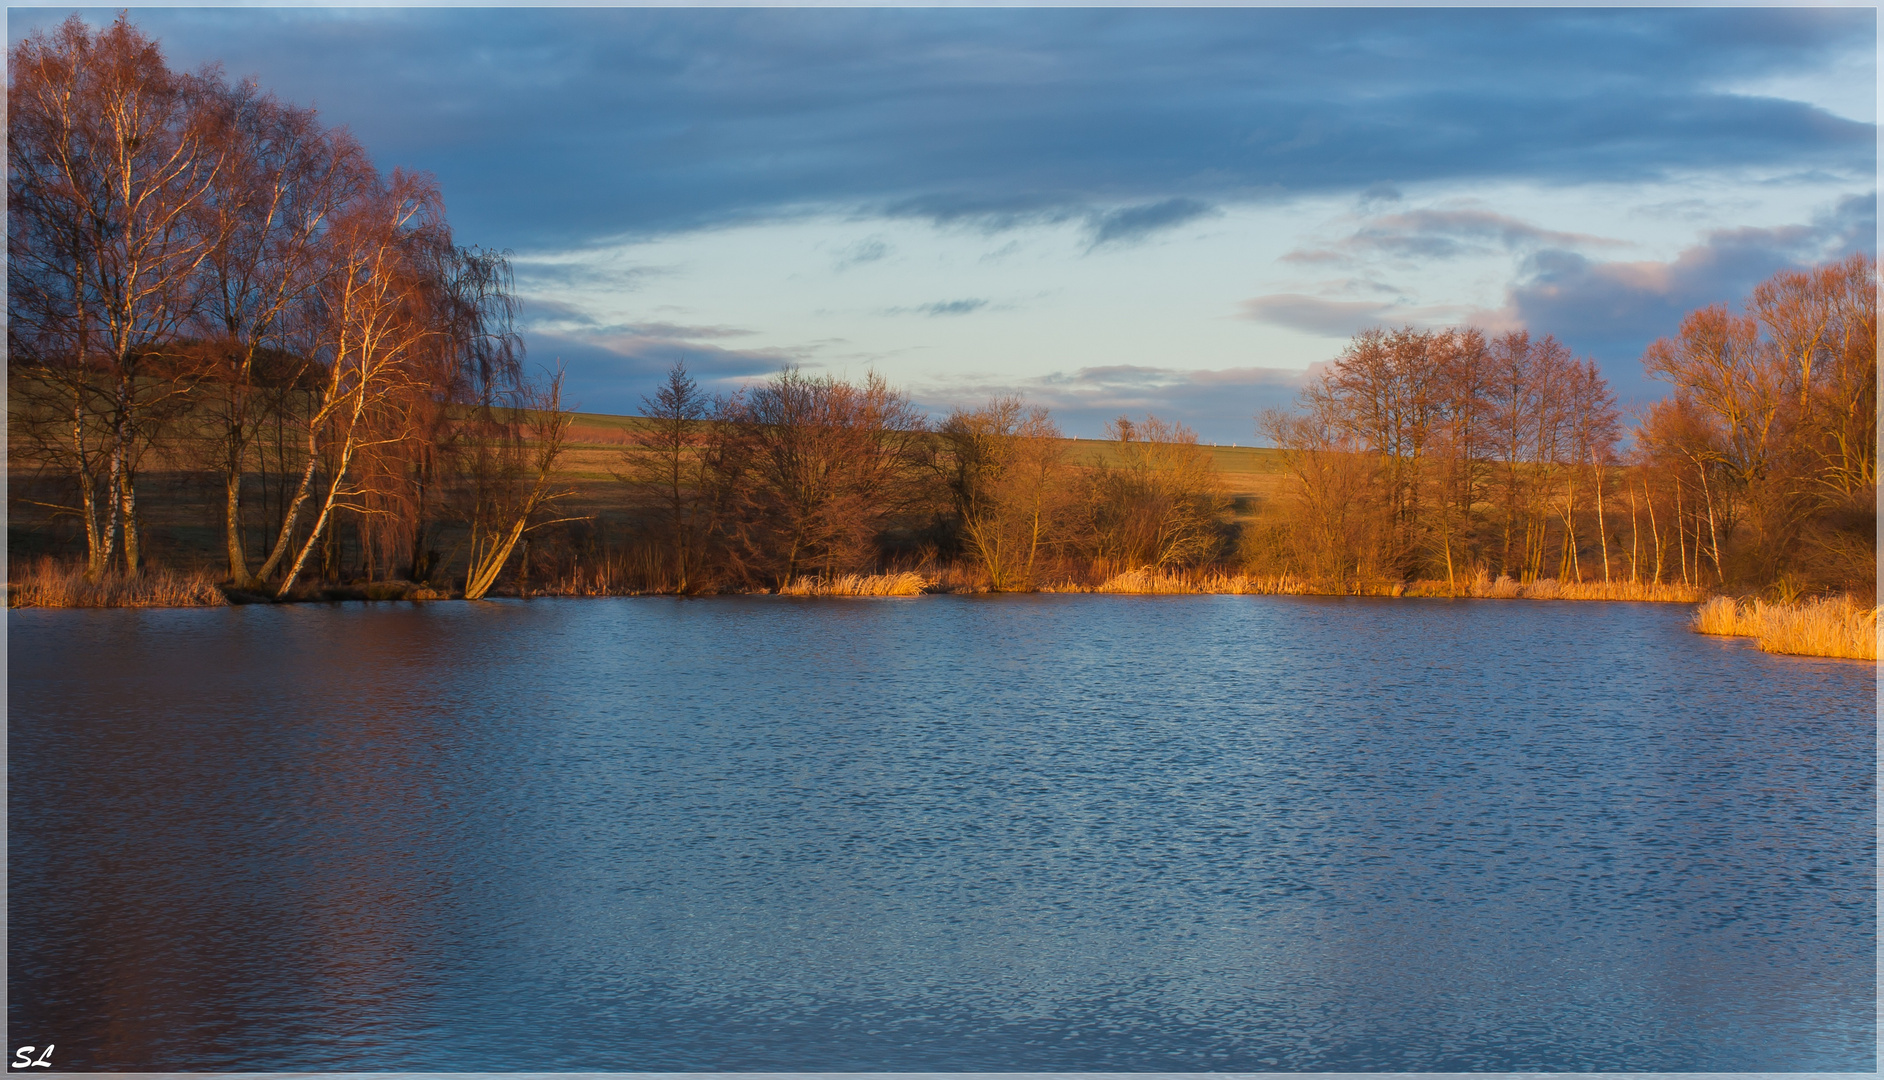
{"x":111,"y":153}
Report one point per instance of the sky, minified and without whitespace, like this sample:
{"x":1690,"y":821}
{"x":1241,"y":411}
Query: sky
{"x":1106,"y":211}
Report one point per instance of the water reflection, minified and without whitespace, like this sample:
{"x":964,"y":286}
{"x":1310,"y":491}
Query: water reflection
{"x":952,"y":834}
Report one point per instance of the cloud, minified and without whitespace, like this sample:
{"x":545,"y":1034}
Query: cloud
{"x":953,"y":307}
{"x":1341,"y":318}
{"x":1610,"y":309}
{"x":1138,"y":222}
{"x":992,"y":213}
{"x":658,"y":331}
{"x":868,"y":250}
{"x":1220,"y":405}
{"x":1614,"y":309}
{"x":1000,"y":213}
{"x":1429,"y":234}
{"x":608,"y":369}
{"x":1621,"y":306}
{"x":1380,"y":194}
{"x":549,"y":126}
{"x":944,"y":308}
{"x":1315,"y":315}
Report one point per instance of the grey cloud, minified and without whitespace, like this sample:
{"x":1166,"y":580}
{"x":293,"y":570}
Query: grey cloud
{"x":953,"y":307}
{"x":547,"y":127}
{"x":1379,"y":194}
{"x":945,"y":308}
{"x":1610,"y":310}
{"x":1445,"y":234}
{"x":676,"y":331}
{"x":1220,"y":405}
{"x":1614,"y":309}
{"x":1138,"y":222}
{"x":1316,"y":315}
{"x":867,"y":250}
{"x":538,"y":309}
{"x":609,"y":368}
{"x":990,"y":214}
{"x":1311,"y":256}
{"x":533,"y":274}
{"x":560,"y":317}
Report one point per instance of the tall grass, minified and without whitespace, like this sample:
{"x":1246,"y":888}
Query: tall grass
{"x":1663,"y":593}
{"x":907,"y":583}
{"x":1153,"y":583}
{"x":51,"y":585}
{"x":1836,"y":626}
{"x":1145,"y":583}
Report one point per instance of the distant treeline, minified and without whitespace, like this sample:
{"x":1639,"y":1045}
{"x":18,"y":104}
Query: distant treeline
{"x":205,"y":283}
{"x":813,"y":476}
{"x":1444,"y":455}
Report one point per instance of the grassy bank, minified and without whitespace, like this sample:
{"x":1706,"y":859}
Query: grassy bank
{"x":1836,"y":627}
{"x":46,"y":583}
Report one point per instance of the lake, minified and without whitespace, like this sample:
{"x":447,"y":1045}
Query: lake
{"x":946,"y":833}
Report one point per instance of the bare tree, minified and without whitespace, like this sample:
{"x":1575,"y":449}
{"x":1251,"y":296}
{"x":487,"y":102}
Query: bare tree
{"x":1157,"y":503}
{"x":1335,"y":517}
{"x":511,"y":478}
{"x":814,"y":469}
{"x":1460,"y":439}
{"x":110,"y":153}
{"x":283,"y":181}
{"x":671,"y":464}
{"x":1789,"y":444}
{"x":368,"y":332}
{"x":1004,"y":468}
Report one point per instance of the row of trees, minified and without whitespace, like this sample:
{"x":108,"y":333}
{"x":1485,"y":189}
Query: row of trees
{"x":1437,"y":453}
{"x":200,"y":272}
{"x":815,"y":476}
{"x":1441,"y":453}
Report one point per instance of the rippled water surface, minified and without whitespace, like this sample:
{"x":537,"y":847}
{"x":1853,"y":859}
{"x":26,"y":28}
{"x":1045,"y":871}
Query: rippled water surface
{"x":1039,"y":833}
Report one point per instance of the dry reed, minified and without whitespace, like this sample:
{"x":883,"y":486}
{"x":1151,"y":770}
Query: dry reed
{"x":1836,"y":626}
{"x":956,"y":578}
{"x":1146,"y":582}
{"x":1644,"y":591}
{"x":907,"y":583}
{"x":50,"y":585}
{"x":597,"y":579}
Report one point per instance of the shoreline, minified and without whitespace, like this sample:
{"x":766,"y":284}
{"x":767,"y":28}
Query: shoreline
{"x":1835,"y":627}
{"x":167,"y":589}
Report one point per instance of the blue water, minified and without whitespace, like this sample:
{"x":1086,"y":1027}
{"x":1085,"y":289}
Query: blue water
{"x":945,"y":833}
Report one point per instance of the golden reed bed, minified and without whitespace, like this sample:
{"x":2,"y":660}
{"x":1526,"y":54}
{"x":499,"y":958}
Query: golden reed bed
{"x":47,"y":584}
{"x":1149,"y":583}
{"x":904,"y":584}
{"x":1836,"y":627}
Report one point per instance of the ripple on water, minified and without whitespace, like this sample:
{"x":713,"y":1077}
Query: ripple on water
{"x":1010,"y":833}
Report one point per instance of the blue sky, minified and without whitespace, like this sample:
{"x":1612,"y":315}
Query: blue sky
{"x":1104,"y":210}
